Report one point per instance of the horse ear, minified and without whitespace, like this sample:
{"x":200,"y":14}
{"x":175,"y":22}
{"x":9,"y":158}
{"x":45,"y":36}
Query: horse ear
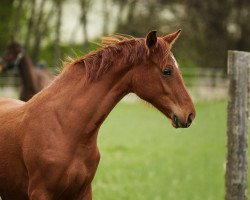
{"x":172,"y":37}
{"x":151,"y":39}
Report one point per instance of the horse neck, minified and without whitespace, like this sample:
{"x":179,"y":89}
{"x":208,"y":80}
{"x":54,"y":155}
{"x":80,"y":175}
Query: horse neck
{"x":80,"y":107}
{"x":27,"y":73}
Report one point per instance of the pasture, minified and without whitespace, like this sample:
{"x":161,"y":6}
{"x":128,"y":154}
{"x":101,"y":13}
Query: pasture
{"x":144,"y":158}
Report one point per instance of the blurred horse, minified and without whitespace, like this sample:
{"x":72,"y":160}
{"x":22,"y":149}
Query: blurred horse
{"x":48,"y":145}
{"x":33,"y":79}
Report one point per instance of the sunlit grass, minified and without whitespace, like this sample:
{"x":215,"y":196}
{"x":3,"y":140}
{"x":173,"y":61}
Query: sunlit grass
{"x":144,"y":158}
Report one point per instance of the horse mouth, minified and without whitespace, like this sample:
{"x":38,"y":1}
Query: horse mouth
{"x":176,"y":122}
{"x":168,"y":113}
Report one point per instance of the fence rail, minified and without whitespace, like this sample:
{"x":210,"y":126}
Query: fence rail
{"x":202,"y":83}
{"x":192,"y":76}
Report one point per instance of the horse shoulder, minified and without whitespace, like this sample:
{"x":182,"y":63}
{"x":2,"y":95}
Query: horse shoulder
{"x":60,"y":171}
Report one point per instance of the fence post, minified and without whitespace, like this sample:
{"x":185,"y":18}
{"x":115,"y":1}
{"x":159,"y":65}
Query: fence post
{"x":237,"y":124}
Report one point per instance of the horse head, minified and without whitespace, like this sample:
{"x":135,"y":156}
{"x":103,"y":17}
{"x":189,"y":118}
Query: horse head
{"x":12,"y":56}
{"x":158,"y":80}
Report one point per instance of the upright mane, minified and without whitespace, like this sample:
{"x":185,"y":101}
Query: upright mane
{"x":114,"y":50}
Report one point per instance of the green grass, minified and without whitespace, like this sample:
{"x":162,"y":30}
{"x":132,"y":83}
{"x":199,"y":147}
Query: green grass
{"x":144,"y":158}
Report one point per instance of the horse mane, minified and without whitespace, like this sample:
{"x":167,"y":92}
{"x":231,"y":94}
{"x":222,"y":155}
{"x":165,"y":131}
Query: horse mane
{"x":114,"y":49}
{"x":114,"y":39}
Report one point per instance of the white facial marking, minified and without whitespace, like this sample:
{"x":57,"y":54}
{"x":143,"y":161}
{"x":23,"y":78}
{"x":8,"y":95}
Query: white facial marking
{"x":175,"y":62}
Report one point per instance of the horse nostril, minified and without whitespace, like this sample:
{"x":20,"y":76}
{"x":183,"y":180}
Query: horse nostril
{"x":190,"y":119}
{"x":176,"y":121}
{"x":179,"y":124}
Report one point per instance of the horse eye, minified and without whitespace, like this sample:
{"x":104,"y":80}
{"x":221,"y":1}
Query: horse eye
{"x":166,"y":72}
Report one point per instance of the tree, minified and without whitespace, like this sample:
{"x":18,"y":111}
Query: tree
{"x":240,"y":19}
{"x":16,"y":21}
{"x":105,"y":12}
{"x":30,"y":24}
{"x":6,"y":10}
{"x":41,"y":28}
{"x":57,"y":52}
{"x":85,"y":8}
{"x":205,"y":29}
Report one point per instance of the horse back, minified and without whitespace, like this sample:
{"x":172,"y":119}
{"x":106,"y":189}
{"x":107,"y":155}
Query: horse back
{"x":6,"y":104}
{"x":11,"y":112}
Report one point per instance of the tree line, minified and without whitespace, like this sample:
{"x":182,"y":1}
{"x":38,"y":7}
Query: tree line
{"x":210,"y":28}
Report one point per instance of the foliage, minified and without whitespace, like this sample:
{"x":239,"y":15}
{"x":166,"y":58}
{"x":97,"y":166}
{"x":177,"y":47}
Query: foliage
{"x":209,"y":28}
{"x":72,"y":51}
{"x":6,"y":7}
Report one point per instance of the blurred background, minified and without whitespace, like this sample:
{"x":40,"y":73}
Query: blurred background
{"x":148,"y":159}
{"x":51,"y":29}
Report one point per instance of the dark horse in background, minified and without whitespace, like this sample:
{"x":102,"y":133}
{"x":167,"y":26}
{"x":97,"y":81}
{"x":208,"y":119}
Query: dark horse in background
{"x":33,"y":79}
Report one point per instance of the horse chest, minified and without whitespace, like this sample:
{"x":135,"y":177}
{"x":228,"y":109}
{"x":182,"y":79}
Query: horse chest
{"x":69,"y":178}
{"x":82,"y":171}
{"x":77,"y":175}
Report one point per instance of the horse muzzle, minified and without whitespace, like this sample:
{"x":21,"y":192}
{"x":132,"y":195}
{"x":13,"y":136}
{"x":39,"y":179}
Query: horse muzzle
{"x":178,"y":123}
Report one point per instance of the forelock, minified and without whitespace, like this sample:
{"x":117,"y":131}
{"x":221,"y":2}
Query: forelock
{"x":161,"y":52}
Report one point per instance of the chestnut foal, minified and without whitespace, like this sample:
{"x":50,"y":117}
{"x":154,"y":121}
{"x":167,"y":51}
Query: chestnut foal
{"x":48,"y":147}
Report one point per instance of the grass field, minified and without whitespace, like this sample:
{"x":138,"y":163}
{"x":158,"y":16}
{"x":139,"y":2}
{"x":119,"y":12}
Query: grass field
{"x":144,"y":158}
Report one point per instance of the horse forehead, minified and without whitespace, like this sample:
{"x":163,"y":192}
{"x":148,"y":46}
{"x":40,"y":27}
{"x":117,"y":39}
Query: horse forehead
{"x":173,"y":59}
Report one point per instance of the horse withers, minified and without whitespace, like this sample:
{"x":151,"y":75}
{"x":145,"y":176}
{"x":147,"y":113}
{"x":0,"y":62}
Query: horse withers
{"x":48,"y":145}
{"x":33,"y":79}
